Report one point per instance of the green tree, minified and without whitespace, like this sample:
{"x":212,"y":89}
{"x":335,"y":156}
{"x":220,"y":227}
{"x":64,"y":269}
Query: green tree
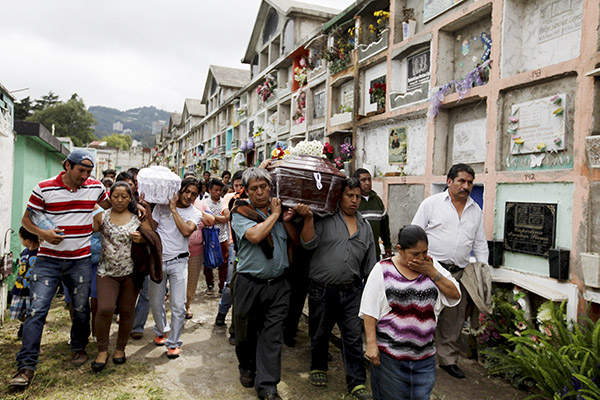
{"x":122,"y":142}
{"x":70,"y":119}
{"x":23,"y":108}
{"x":46,"y":101}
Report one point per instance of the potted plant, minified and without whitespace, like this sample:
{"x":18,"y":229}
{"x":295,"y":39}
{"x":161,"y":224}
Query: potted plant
{"x":409,"y":24}
{"x":347,"y":151}
{"x":265,"y":91}
{"x":377,"y":93}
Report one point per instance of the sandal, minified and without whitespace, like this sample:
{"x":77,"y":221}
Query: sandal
{"x":318,"y":377}
{"x":189,"y":315}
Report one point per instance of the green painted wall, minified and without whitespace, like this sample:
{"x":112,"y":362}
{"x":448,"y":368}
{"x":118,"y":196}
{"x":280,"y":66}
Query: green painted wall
{"x":35,"y":161}
{"x":559,"y":193}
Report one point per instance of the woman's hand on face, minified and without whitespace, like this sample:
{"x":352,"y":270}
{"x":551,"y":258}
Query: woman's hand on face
{"x":422,"y":266}
{"x":372,"y":354}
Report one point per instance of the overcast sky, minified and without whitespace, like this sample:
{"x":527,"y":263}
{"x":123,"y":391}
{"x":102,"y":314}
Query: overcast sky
{"x":123,"y":53}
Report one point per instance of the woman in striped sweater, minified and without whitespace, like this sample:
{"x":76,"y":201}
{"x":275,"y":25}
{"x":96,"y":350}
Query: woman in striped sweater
{"x":400,"y":304}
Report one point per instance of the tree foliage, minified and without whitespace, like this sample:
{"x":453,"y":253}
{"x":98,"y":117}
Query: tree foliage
{"x":122,"y":142}
{"x":23,"y":108}
{"x":46,"y":101}
{"x":70,"y":119}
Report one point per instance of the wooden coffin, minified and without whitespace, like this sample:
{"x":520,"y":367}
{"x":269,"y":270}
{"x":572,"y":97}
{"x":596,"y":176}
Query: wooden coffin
{"x":307,"y":179}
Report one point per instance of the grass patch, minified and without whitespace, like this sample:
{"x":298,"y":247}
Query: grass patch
{"x":57,"y":378}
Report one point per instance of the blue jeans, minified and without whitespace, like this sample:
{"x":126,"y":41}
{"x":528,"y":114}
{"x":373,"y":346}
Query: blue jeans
{"x":175,"y":271}
{"x":142,"y":307}
{"x":225,"y":302}
{"x":327,"y":307}
{"x":395,"y":379}
{"x":45,"y":278}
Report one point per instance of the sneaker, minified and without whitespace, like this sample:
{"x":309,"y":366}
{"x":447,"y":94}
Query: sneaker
{"x":79,"y":358}
{"x":173,"y":352}
{"x":220,"y":320}
{"x":210,"y":290}
{"x":318,"y":377}
{"x":360,"y":392}
{"x":22,"y":378}
{"x":160,"y":340}
{"x":137,"y":335}
{"x":247,"y":378}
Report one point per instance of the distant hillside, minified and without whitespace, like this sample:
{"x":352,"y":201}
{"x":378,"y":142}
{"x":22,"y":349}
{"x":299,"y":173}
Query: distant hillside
{"x":139,"y":120}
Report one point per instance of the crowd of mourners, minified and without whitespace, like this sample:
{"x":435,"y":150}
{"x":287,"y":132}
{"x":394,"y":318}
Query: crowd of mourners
{"x":101,"y":240}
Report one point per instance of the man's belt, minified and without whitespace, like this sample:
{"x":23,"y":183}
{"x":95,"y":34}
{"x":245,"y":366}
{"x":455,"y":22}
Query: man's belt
{"x":182,"y":255}
{"x":268,"y":282}
{"x":452,"y":268}
{"x":337,"y":286}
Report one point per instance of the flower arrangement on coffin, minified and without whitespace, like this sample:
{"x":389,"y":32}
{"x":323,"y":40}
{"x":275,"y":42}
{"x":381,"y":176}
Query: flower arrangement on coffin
{"x":265,"y":91}
{"x":328,"y":151}
{"x":280,"y":151}
{"x":347,"y":151}
{"x":300,"y":72}
{"x":313,"y":148}
{"x":377,"y":93}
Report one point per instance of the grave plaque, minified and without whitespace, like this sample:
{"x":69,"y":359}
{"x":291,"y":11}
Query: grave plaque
{"x":530,"y":228}
{"x":418,"y":70}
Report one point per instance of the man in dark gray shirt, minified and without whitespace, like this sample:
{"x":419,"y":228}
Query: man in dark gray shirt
{"x":344,"y":255}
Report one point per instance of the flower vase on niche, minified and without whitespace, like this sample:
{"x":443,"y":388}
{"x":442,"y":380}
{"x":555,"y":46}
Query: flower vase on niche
{"x":408,"y":28}
{"x":347,"y":169}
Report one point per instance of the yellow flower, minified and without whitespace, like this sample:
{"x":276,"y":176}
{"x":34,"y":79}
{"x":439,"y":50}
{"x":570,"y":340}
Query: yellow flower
{"x":371,"y":28}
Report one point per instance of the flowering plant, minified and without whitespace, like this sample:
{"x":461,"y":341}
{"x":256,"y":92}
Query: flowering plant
{"x":259,"y":131}
{"x":300,"y":72}
{"x":377,"y":93}
{"x":280,"y":151}
{"x":339,"y":54}
{"x":299,"y":114}
{"x":314,"y":148}
{"x":265,"y":91}
{"x":344,"y":108}
{"x":339,"y":162}
{"x":383,"y":21}
{"x":328,"y":151}
{"x":347,"y":151}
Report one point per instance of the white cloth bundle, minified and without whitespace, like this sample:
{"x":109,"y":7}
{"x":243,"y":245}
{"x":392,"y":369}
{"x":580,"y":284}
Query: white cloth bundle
{"x":157,"y":184}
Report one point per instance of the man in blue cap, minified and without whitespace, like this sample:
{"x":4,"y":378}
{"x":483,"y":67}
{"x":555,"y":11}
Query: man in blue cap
{"x":66,"y":203}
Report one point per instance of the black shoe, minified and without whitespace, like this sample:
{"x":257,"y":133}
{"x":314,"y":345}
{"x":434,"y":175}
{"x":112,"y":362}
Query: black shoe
{"x":232,"y":339}
{"x":119,"y":360}
{"x":454,"y":371}
{"x":20,"y":333}
{"x":247,"y":378}
{"x":97,"y":367}
{"x":270,"y":396}
{"x":220,"y":320}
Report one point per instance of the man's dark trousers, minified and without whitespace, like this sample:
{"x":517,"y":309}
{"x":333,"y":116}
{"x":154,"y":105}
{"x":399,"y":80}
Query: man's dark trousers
{"x":260,"y":308}
{"x":328,"y":306}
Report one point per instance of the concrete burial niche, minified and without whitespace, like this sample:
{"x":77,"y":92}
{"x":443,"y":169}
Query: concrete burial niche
{"x":539,"y":33}
{"x":417,"y":6}
{"x":398,"y":146}
{"x":411,"y":69}
{"x":462,"y":44}
{"x":560,"y":195}
{"x":594,"y":217}
{"x":403,"y":203}
{"x":460,"y":137}
{"x":536,"y":126}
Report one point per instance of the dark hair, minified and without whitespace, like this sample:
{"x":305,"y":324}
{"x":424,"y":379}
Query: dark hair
{"x":456,"y":168}
{"x":351,"y":183}
{"x":132,"y":206}
{"x":133,"y":171}
{"x":190,"y":180}
{"x":206,"y":172}
{"x":124,"y":176}
{"x":225,"y":173}
{"x":107,"y":180}
{"x":215,"y":182}
{"x":360,"y":171}
{"x":189,"y":173}
{"x":109,"y":172}
{"x":410,"y":235}
{"x":25,"y":234}
{"x":227,"y":188}
{"x":237,"y":175}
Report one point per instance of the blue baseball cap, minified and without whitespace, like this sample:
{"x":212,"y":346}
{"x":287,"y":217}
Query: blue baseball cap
{"x":79,"y":155}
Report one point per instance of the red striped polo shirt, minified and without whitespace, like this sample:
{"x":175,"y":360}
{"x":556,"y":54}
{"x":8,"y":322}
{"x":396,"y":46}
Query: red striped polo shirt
{"x":68,"y":210}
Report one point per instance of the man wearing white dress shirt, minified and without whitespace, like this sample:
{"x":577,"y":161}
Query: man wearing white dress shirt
{"x":454,"y":226}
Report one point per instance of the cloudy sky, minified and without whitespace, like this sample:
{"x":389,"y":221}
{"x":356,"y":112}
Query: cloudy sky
{"x":123,"y":53}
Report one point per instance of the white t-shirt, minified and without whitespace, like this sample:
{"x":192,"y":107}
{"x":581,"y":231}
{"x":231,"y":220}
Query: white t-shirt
{"x":173,"y":242}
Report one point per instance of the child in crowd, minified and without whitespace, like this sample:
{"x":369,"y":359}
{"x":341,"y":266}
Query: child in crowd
{"x":20,"y":291}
